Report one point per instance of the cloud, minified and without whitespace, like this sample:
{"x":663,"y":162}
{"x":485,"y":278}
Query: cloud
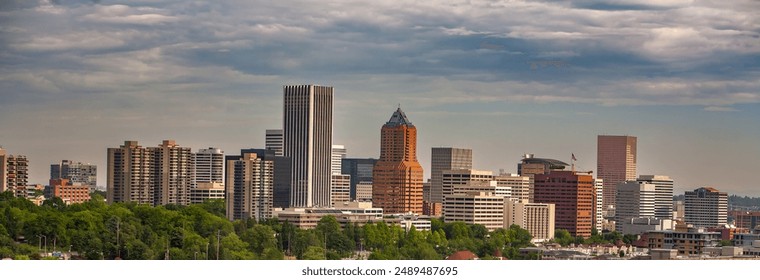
{"x":720,"y":109}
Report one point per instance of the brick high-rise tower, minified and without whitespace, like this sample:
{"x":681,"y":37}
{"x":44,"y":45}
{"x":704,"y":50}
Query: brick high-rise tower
{"x":397,"y":176}
{"x":615,"y":163}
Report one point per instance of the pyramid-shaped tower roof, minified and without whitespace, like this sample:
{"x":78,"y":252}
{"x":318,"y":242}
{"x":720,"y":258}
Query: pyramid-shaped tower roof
{"x":399,"y":118}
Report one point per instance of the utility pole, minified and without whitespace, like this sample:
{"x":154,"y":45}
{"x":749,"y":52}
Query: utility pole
{"x":118,"y":248}
{"x":218,"y":234}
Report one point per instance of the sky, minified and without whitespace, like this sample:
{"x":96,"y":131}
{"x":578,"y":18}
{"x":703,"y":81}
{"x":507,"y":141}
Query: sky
{"x":503,"y":78}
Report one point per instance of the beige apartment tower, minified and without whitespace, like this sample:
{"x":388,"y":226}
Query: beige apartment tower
{"x":537,"y":218}
{"x":615,"y":163}
{"x":250,"y":187}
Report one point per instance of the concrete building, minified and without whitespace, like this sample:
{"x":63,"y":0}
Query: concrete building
{"x":358,"y":214}
{"x":442,"y":159}
{"x":3,"y":170}
{"x":706,"y":207}
{"x":573,"y":197}
{"x":745,"y":219}
{"x":307,"y":138}
{"x":173,"y":177}
{"x":634,"y":200}
{"x":688,"y":241}
{"x":76,"y":173}
{"x":338,"y":154}
{"x":454,"y":179}
{"x":663,"y":201}
{"x":250,"y":186}
{"x":274,"y":141}
{"x":519,"y":187}
{"x":153,"y":175}
{"x":360,"y":170}
{"x":480,"y":208}
{"x":363,"y":191}
{"x":615,"y":163}
{"x":679,"y":211}
{"x":130,"y":176}
{"x":397,"y":176}
{"x":209,"y":166}
{"x":598,"y":205}
{"x":206,"y":191}
{"x":341,"y":189}
{"x":642,"y":225}
{"x":16,"y":174}
{"x":69,"y":193}
{"x":537,"y":218}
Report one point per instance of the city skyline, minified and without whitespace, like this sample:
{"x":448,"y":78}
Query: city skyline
{"x":510,"y":78}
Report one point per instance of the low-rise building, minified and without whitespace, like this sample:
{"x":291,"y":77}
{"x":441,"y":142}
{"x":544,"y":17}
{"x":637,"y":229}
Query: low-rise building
{"x":206,"y":191}
{"x":691,"y":241}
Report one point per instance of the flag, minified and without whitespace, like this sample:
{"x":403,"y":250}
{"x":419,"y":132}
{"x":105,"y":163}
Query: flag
{"x":574,"y":159}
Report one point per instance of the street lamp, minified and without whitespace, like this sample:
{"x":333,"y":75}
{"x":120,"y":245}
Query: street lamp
{"x":45,"y":237}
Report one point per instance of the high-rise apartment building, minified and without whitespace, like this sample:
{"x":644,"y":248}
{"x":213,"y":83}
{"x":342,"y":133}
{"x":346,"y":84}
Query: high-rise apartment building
{"x":16,"y":174}
{"x":250,"y":185}
{"x":338,"y":154}
{"x":397,"y":176}
{"x":634,"y":200}
{"x":3,"y":170}
{"x":615,"y":163}
{"x":154,"y":175}
{"x":274,"y":141}
{"x":76,"y":173}
{"x":442,"y":159}
{"x":573,"y":197}
{"x":360,"y":170}
{"x":706,"y":207}
{"x":173,"y":173}
{"x":307,"y":141}
{"x":663,"y":194}
{"x":130,"y":176}
{"x":209,"y":166}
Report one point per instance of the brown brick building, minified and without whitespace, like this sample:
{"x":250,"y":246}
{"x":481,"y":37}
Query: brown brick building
{"x":573,"y":196}
{"x":397,"y":176}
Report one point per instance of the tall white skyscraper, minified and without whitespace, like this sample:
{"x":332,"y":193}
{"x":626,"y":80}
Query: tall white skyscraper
{"x":274,"y":141}
{"x":338,"y":154}
{"x":307,"y":139}
{"x":598,"y":205}
{"x":209,"y":166}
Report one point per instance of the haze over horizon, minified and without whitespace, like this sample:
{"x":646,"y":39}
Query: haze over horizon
{"x":504,"y":78}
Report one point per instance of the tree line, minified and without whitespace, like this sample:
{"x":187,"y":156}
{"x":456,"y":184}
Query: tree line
{"x":96,"y":230}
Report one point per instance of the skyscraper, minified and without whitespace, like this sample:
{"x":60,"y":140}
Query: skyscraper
{"x":443,"y":159}
{"x":250,"y":185}
{"x":397,"y":183}
{"x":130,"y":174}
{"x":154,"y":175}
{"x":173,"y":173}
{"x":615,"y":163}
{"x":76,"y":173}
{"x":209,"y":166}
{"x":573,"y":197}
{"x":706,"y":207}
{"x":307,"y":141}
{"x":274,"y":141}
